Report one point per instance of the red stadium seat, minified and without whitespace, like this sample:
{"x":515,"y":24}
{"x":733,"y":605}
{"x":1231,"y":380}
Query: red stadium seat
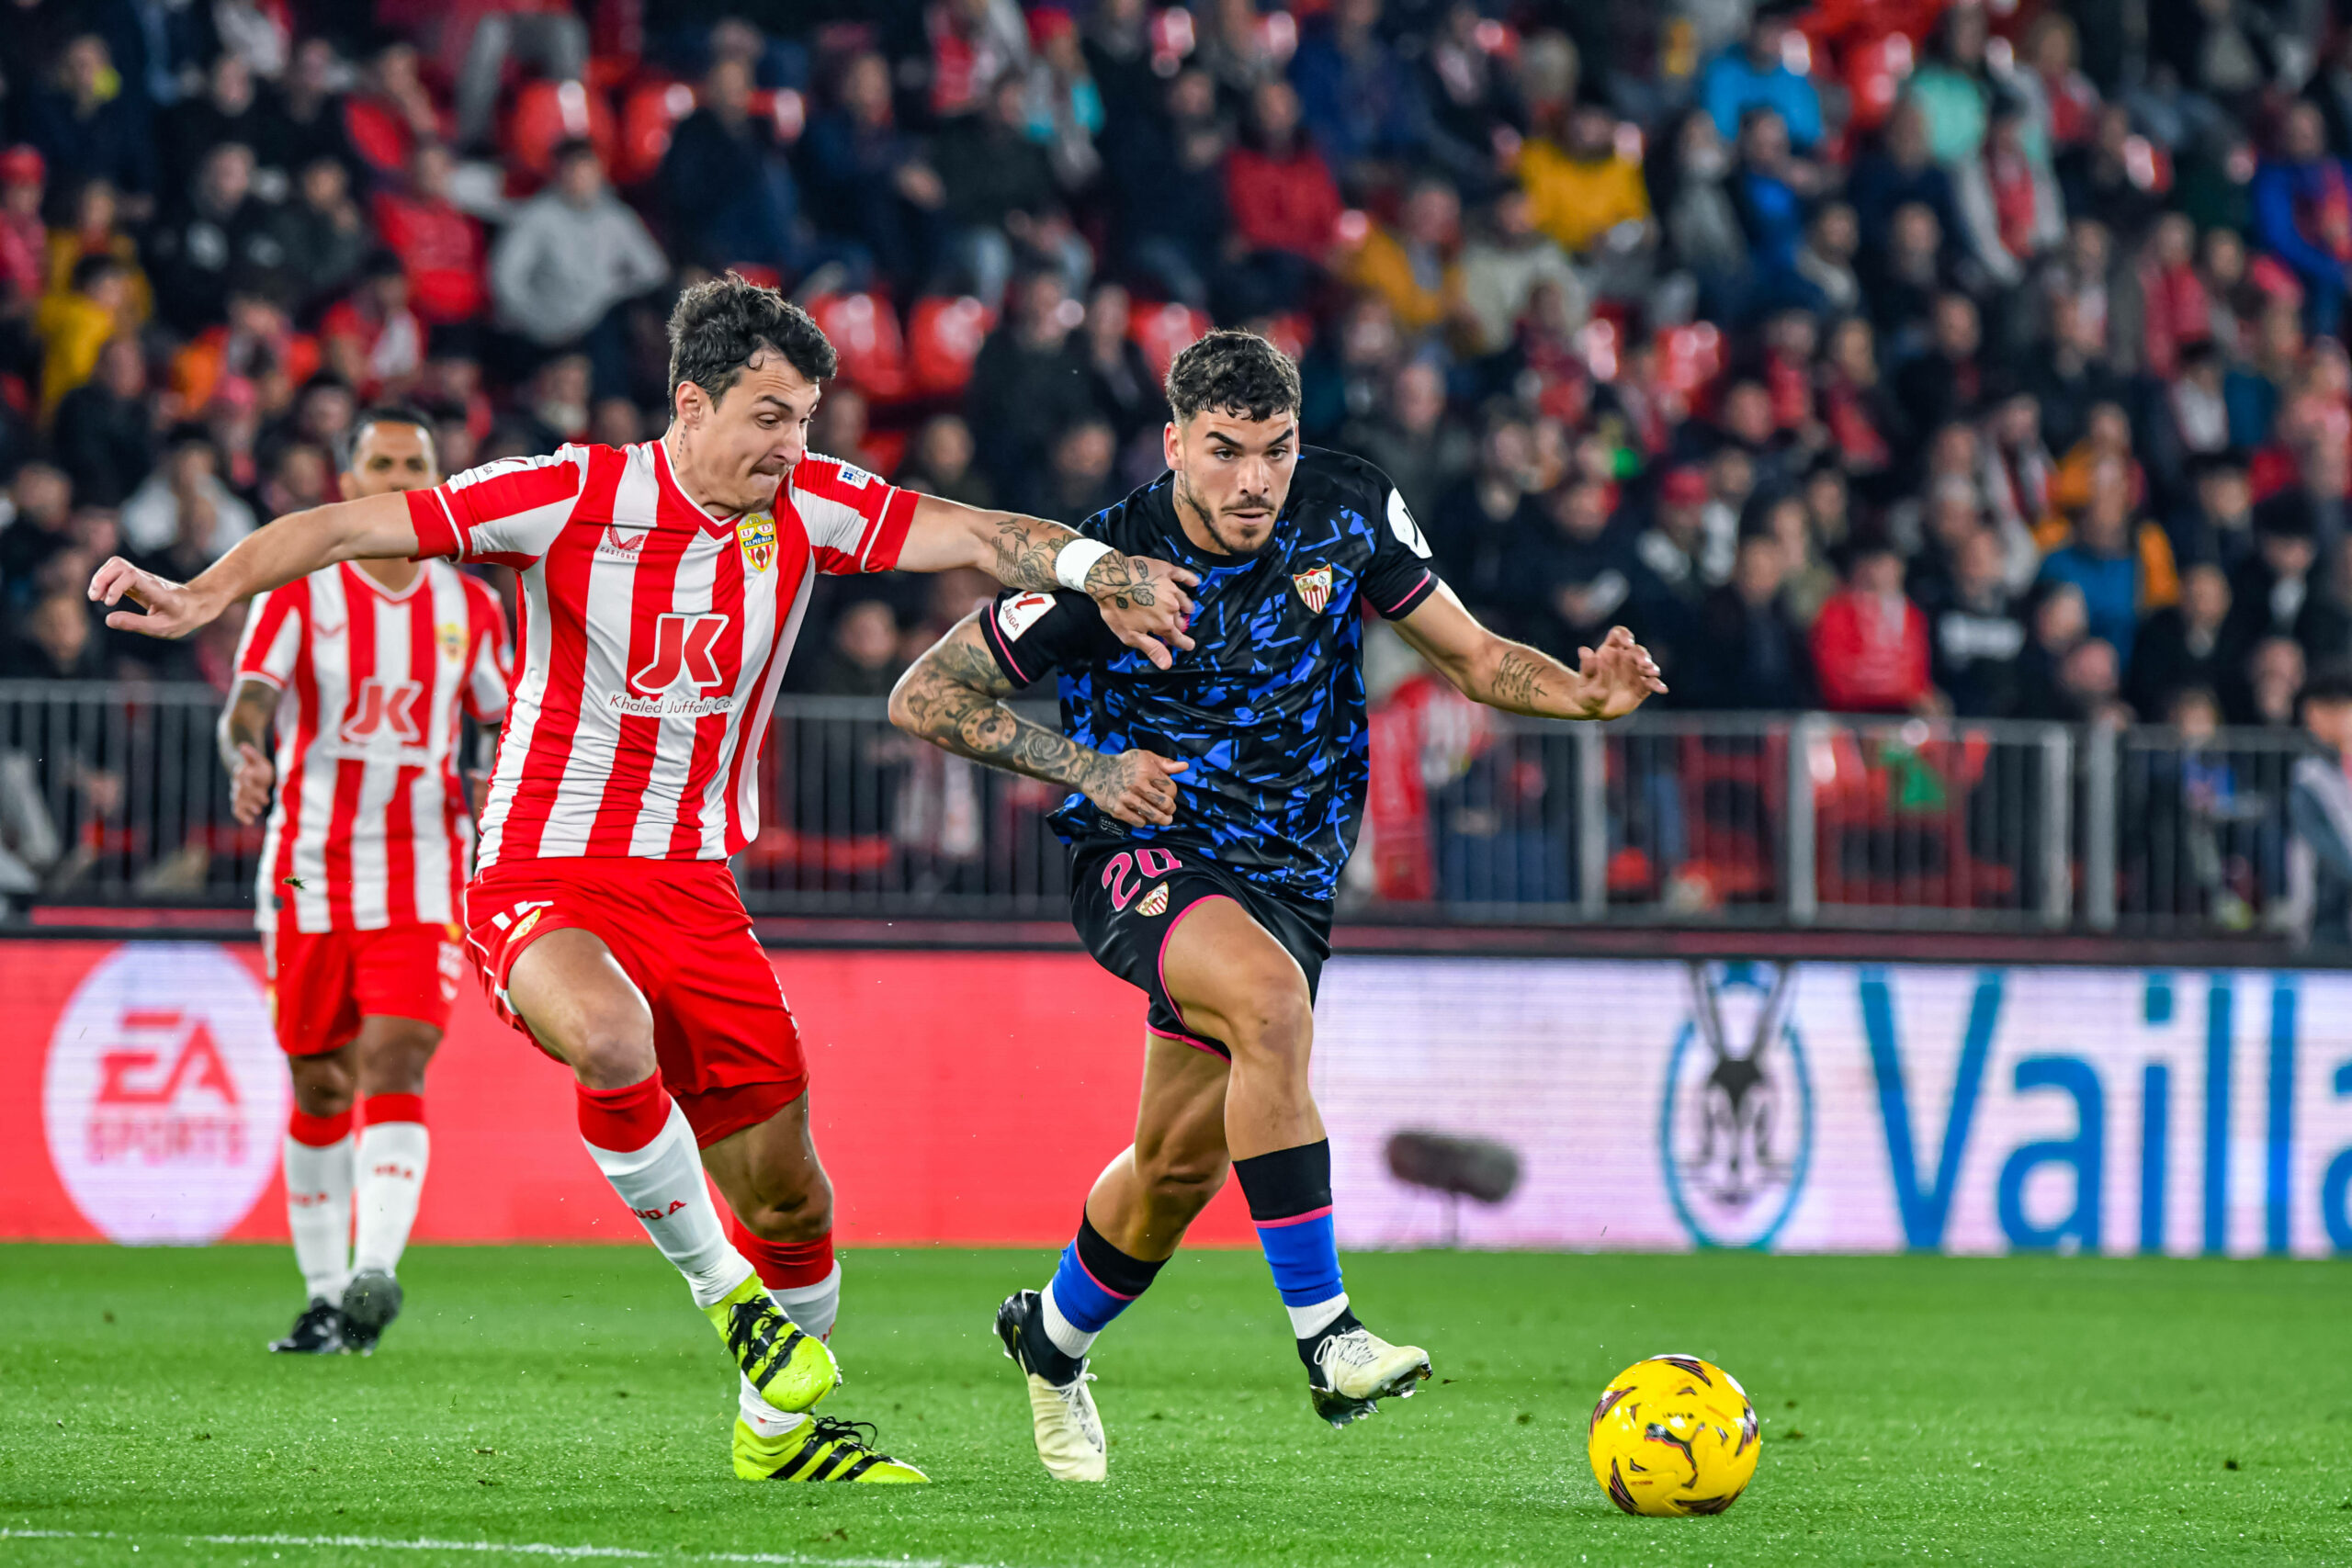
{"x":1690,"y":356}
{"x":649,"y":114}
{"x":865,"y":331}
{"x":1163,"y":331}
{"x":944,"y":336}
{"x":548,"y":114}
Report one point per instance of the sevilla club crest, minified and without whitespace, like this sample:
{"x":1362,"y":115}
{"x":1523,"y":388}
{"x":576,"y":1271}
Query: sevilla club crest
{"x":756,"y":534}
{"x":1314,"y":586}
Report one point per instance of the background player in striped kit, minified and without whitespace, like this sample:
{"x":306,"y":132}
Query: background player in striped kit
{"x":368,"y":671}
{"x":662,"y":585}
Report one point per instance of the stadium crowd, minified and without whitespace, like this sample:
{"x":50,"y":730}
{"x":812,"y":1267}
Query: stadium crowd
{"x":1883,"y":355}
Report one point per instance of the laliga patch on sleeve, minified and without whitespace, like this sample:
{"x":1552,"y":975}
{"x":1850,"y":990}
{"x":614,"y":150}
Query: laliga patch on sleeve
{"x":1020,"y":613}
{"x":855,"y":477}
{"x":1401,"y":524}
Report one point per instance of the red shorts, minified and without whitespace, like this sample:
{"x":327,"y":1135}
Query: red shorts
{"x":729,"y":1048}
{"x":322,"y":982}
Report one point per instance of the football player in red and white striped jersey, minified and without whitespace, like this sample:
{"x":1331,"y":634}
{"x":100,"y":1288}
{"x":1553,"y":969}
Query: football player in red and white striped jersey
{"x":367,"y":669}
{"x":663,"y":586}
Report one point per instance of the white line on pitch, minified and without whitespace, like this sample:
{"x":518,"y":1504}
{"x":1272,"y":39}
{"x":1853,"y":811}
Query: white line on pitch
{"x":510,"y":1548}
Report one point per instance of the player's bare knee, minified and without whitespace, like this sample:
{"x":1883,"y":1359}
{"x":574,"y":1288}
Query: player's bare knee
{"x":610,"y":1047}
{"x":322,"y":1085}
{"x":801,"y":1216}
{"x":1276,"y":1023}
{"x":393,"y":1054}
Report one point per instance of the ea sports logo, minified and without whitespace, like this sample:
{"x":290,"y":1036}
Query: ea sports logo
{"x":1736,"y":1134}
{"x":165,"y":1095}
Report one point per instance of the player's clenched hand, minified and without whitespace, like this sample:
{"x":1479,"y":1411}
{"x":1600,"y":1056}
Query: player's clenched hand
{"x":1144,"y":603}
{"x":249,"y":786}
{"x":173,"y":610}
{"x":1137,"y":787}
{"x":1618,"y":675}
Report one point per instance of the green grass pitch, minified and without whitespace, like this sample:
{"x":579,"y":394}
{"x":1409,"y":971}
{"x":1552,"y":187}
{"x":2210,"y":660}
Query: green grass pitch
{"x":1916,"y":1409}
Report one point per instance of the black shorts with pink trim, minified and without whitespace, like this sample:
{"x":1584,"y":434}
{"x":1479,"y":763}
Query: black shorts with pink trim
{"x":1127,"y":900}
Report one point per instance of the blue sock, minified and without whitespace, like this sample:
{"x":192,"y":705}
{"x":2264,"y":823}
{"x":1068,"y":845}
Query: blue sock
{"x":1290,"y":1203}
{"x":1093,"y":1283}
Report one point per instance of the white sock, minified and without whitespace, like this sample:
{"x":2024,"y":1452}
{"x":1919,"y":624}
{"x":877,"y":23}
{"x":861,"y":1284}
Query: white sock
{"x":1306,"y":1322}
{"x":317,"y":1212}
{"x":1067,"y":1337}
{"x":812,"y":1308}
{"x":663,"y":1185}
{"x":391,"y":1178}
{"x":766,"y":1418}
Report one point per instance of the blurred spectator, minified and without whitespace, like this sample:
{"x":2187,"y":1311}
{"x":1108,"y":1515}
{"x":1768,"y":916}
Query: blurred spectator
{"x":1575,"y":579}
{"x":393,"y":115}
{"x":572,"y":256}
{"x":2273,"y":681}
{"x":2320,"y":808}
{"x":40,"y":503}
{"x":870,"y":182}
{"x":1118,"y":377}
{"x":543,"y":32}
{"x":1422,"y":452}
{"x":2216,"y":526}
{"x":312,"y":106}
{"x":182,"y":518}
{"x":974,"y":44}
{"x":1077,"y":482}
{"x":2274,"y":593}
{"x":1871,"y":644}
{"x":372,"y":340}
{"x":323,"y":237}
{"x":57,"y":642}
{"x":1502,"y":265}
{"x":1900,"y":172}
{"x":219,"y":229}
{"x":229,"y":109}
{"x":1584,"y":186}
{"x":863,"y":661}
{"x":1757,"y":76}
{"x":1473,"y":526}
{"x":1285,"y":204}
{"x":1000,"y":198}
{"x":1061,"y":107}
{"x":1357,"y":97}
{"x":1702,"y":224}
{"x":441,"y":246}
{"x":1951,"y":87}
{"x":839,"y":428}
{"x":2303,"y":214}
{"x":255,"y":351}
{"x":105,"y":435}
{"x":87,"y":126}
{"x":940,"y":463}
{"x":2124,"y":569}
{"x":74,"y":326}
{"x":1978,"y":634}
{"x":727,"y":187}
{"x":1166,"y":171}
{"x":301,"y":479}
{"x":1029,"y":382}
{"x":1945,"y":382}
{"x":97,"y":230}
{"x":23,"y":243}
{"x":1749,"y":653}
{"x":2183,"y":645}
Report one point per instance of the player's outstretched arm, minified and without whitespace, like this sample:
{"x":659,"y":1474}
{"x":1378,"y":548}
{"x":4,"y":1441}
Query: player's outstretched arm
{"x":374,"y":527}
{"x":1143,"y":600}
{"x":953,"y":697}
{"x":1608,"y":682}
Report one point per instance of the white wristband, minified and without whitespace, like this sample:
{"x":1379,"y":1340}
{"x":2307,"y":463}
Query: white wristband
{"x":1075,"y":559}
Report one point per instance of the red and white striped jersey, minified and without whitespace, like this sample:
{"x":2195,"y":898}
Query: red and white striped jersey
{"x":654,"y":638}
{"x":371,"y":827}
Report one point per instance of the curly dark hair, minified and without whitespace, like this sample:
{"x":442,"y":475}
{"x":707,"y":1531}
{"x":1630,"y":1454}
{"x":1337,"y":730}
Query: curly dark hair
{"x":1234,"y":372}
{"x":720,"y":326}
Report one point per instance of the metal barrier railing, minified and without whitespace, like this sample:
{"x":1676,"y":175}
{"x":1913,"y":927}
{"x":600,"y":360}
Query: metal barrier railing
{"x":113,"y":795}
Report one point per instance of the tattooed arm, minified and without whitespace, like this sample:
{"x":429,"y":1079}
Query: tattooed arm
{"x":1143,"y":600}
{"x":244,"y":748}
{"x":953,"y":697}
{"x":1608,"y":682}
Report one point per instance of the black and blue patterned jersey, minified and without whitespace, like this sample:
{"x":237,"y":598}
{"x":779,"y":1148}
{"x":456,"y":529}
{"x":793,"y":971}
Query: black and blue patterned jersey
{"x":1267,"y":708}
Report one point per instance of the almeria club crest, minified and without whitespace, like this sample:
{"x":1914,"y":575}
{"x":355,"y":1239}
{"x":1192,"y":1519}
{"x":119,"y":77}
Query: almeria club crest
{"x":1314,"y":586}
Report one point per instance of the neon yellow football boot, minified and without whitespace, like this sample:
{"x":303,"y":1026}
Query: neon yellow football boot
{"x":819,"y":1449}
{"x":792,"y":1370}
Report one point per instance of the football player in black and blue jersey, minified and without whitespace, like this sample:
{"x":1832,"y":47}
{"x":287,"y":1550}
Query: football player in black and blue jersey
{"x":1217,"y":802}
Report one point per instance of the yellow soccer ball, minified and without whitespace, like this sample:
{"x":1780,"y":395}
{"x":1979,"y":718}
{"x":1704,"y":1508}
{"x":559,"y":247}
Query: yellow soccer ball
{"x":1674,"y":1434}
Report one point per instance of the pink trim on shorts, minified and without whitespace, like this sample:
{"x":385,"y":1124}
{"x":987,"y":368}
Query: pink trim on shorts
{"x":1185,"y":1040}
{"x":1160,"y":968}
